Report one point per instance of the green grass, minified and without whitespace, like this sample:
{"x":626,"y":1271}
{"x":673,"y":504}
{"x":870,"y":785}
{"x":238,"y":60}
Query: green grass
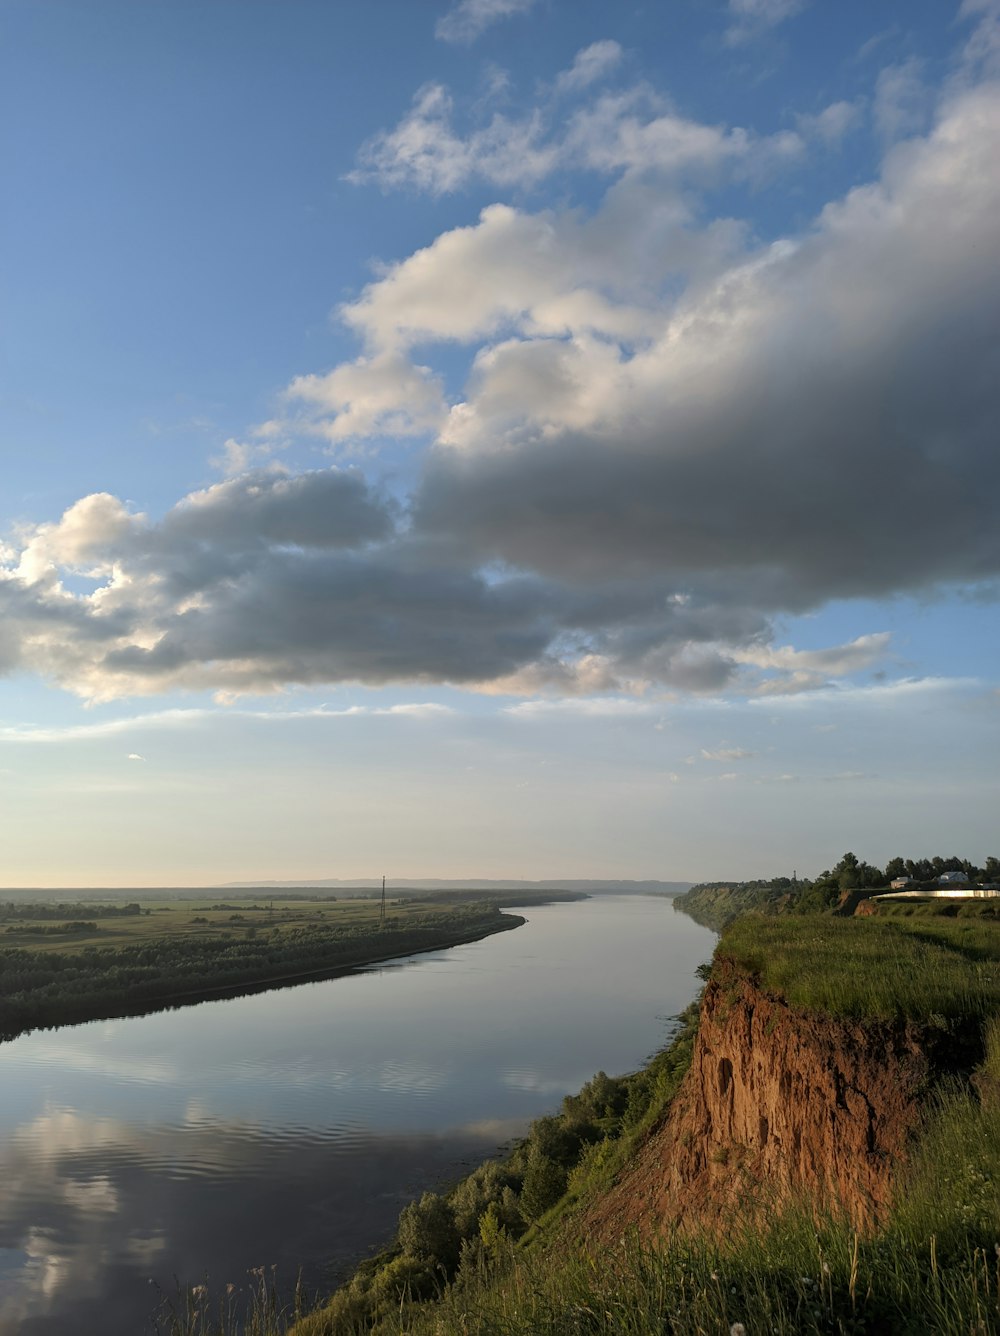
{"x":914,"y":968}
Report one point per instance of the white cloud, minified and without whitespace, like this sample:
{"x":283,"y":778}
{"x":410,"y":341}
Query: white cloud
{"x":879,"y":694}
{"x":633,"y":130}
{"x":172,"y":720}
{"x":902,"y":103}
{"x":425,"y":151}
{"x":727,"y":754}
{"x":385,"y":394}
{"x":607,"y":707}
{"x":469,"y":19}
{"x":81,"y":541}
{"x":804,"y":669}
{"x":833,"y":123}
{"x":134,"y":756}
{"x":981,"y":54}
{"x":590,"y":64}
{"x":241,"y":456}
{"x":751,"y":17}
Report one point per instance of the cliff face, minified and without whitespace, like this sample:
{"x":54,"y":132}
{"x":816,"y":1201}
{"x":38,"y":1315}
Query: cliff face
{"x":777,"y":1105}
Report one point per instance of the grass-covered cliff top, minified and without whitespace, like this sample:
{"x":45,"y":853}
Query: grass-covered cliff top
{"x":919,"y":968}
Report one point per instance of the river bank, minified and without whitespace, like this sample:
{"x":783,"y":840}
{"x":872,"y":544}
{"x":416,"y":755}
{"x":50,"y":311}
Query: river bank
{"x":817,"y":1152}
{"x":68,"y":979}
{"x":289,"y":1128}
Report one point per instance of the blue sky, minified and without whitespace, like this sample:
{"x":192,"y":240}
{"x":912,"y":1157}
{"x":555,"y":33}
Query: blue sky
{"x":517,"y":437}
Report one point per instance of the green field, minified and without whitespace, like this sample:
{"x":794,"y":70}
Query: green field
{"x":161,"y":920}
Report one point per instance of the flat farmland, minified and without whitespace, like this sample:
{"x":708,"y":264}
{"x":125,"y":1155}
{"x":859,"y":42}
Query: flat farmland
{"x":88,"y":924}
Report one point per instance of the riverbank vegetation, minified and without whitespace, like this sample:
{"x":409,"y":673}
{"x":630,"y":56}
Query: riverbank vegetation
{"x":169,"y":953}
{"x":838,"y":890}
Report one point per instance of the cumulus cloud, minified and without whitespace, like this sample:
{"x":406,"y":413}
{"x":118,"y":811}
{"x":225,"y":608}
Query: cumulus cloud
{"x":668,"y":436}
{"x":384,"y":394}
{"x":774,"y":441}
{"x":267,"y":580}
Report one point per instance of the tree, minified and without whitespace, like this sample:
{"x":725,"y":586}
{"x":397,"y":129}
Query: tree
{"x":544,"y":1183}
{"x":848,"y":872}
{"x":427,"y":1231}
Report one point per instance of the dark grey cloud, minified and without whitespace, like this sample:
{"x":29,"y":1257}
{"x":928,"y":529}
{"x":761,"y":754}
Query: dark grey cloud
{"x":296,"y":616}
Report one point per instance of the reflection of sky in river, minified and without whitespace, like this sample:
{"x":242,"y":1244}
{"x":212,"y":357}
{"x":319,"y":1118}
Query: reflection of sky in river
{"x":289,"y":1127}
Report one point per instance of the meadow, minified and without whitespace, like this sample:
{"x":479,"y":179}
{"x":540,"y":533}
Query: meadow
{"x":914,"y":967}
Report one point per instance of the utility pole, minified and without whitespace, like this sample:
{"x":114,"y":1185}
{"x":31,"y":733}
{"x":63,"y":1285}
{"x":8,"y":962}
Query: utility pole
{"x":381,"y":912}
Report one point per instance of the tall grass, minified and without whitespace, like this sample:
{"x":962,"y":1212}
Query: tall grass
{"x":798,"y":1278}
{"x":869,"y":968}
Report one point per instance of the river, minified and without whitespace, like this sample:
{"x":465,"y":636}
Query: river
{"x":286,"y":1129}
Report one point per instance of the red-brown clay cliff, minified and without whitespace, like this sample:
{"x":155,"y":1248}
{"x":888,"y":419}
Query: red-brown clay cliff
{"x":777,"y":1105}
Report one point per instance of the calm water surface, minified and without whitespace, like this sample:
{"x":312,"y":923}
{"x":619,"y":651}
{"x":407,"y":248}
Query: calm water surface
{"x":290,"y":1127}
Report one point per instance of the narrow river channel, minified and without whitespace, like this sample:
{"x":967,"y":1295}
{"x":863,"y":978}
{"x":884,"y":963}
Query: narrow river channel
{"x":288,"y":1128}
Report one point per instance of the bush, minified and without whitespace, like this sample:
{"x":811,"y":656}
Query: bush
{"x":427,"y":1231}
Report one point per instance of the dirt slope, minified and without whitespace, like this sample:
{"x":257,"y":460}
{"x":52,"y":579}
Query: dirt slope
{"x":777,"y":1104}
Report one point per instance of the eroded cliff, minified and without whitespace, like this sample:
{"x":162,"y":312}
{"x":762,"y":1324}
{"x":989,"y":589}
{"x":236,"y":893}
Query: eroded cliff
{"x":779,"y":1104}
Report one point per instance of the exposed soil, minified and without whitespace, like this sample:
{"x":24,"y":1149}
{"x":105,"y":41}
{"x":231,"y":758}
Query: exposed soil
{"x":778,"y":1105}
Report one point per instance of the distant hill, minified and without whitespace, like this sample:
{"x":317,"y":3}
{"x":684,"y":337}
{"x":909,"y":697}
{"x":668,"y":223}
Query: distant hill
{"x":401,"y":884}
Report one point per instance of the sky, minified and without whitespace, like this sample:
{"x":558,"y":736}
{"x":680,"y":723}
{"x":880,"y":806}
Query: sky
{"x":497,"y":438}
